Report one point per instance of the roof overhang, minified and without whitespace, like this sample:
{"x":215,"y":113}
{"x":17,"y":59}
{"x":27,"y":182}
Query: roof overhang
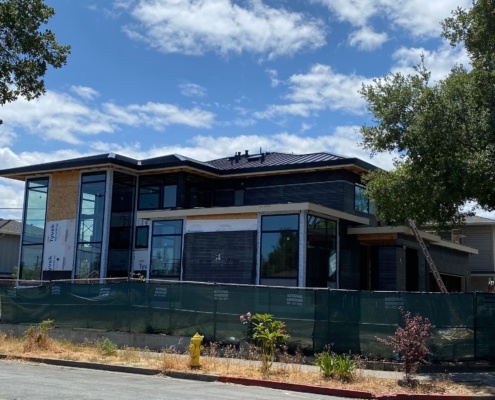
{"x":383,"y":234}
{"x":261,"y":209}
{"x":173,"y":163}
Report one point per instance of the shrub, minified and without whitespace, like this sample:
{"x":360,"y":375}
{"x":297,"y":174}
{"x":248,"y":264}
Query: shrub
{"x":38,"y":336}
{"x":106,"y":347}
{"x":346,"y":367}
{"x":409,"y":342}
{"x":337,"y":366}
{"x":267,"y":333}
{"x":326,"y":362}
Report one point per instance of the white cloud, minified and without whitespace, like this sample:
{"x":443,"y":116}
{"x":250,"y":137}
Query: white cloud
{"x":273,"y":75}
{"x":192,"y":90}
{"x":223,"y":26}
{"x":420,"y":18}
{"x":439,"y":61}
{"x":159,"y":115}
{"x":7,"y":135}
{"x":319,"y":89}
{"x":367,"y":39}
{"x":12,"y":198}
{"x":59,"y":116}
{"x":85,"y":92}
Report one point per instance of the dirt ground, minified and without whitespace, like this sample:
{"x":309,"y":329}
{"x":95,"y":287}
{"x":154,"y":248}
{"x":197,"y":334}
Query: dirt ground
{"x":292,"y":368}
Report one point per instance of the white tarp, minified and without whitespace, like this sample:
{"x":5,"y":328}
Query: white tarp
{"x":58,"y":254}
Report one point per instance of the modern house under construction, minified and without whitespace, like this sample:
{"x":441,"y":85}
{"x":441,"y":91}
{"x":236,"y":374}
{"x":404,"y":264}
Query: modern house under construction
{"x":261,"y":219}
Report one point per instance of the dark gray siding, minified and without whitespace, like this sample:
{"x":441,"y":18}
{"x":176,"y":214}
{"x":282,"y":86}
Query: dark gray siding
{"x":479,"y":237}
{"x":349,"y":256}
{"x":328,"y":194}
{"x":386,"y":268}
{"x":333,"y":189}
{"x":9,"y":254}
{"x":224,"y":257}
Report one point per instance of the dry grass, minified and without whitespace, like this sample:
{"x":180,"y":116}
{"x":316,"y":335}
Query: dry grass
{"x":289,"y":370}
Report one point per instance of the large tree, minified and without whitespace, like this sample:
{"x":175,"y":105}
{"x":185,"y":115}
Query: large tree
{"x":443,"y":133}
{"x":26,"y":51}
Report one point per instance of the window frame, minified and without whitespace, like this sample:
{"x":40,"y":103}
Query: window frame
{"x":295,"y":229}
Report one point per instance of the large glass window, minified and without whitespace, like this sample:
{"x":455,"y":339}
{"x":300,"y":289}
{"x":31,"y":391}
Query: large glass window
{"x":361,"y":201}
{"x":90,"y":230}
{"x":157,"y":192}
{"x":321,"y":253}
{"x":279,"y":246}
{"x":166,"y":249}
{"x":121,"y":224}
{"x":33,"y":228}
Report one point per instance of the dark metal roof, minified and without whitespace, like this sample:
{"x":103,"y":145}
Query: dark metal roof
{"x":10,"y":227}
{"x":242,"y":160}
{"x":239,"y":163}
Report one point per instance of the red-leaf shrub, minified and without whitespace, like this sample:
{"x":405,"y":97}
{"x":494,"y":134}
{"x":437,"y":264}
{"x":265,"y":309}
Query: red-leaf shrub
{"x":409,"y":342}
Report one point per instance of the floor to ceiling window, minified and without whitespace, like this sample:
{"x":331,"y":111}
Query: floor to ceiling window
{"x":279,"y":246}
{"x":90,"y":230}
{"x":121,"y":223}
{"x":33,"y":234}
{"x":321,"y":252}
{"x":166,"y":249}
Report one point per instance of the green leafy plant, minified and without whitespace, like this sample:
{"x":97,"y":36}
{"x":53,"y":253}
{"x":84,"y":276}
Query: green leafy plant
{"x":409,"y":342}
{"x":346,"y":367}
{"x":338,"y":366}
{"x":326,"y":361}
{"x":106,"y":347}
{"x":269,"y":334}
{"x":38,"y":336}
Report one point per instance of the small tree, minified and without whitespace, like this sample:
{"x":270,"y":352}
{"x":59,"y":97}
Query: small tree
{"x":409,"y":342}
{"x":268,"y":334}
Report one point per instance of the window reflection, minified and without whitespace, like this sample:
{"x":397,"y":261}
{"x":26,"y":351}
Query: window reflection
{"x":33,"y":228}
{"x":166,"y":249}
{"x":279,"y":246}
{"x":90,"y":230}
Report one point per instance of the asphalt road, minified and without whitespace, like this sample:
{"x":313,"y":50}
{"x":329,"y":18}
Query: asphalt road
{"x":22,"y":381}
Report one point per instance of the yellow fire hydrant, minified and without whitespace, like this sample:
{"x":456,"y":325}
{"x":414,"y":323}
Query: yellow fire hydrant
{"x":196,"y":348}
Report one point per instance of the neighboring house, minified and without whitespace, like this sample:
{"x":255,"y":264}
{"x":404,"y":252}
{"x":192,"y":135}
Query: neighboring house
{"x":10,"y":235}
{"x":267,"y":218}
{"x":478,"y":232}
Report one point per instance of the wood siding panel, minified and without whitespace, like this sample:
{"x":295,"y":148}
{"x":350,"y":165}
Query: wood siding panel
{"x":63,"y":196}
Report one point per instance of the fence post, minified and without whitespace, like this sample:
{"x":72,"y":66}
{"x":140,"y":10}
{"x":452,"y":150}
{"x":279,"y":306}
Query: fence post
{"x":214,"y":313}
{"x":475,"y":325}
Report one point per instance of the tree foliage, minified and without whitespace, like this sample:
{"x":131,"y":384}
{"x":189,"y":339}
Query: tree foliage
{"x":25,"y":50}
{"x":443,"y":133}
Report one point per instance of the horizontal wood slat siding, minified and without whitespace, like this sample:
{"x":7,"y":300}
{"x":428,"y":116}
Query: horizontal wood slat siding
{"x":224,"y":257}
{"x":328,"y":194}
{"x":479,"y":237}
{"x":387,"y":274}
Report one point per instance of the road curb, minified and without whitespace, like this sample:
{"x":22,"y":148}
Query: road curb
{"x":348,"y":393}
{"x":353,"y":394}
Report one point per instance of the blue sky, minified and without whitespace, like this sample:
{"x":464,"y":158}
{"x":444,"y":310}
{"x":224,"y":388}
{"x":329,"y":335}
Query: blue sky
{"x":206,"y":78}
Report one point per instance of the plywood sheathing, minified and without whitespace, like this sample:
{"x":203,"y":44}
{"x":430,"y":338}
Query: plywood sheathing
{"x":63,"y":196}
